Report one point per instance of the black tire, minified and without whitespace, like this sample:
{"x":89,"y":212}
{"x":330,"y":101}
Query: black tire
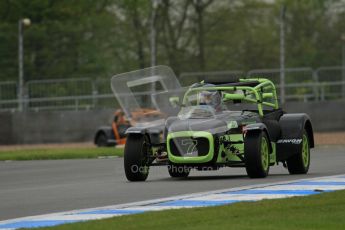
{"x":102,"y":140}
{"x":299,"y":163}
{"x":178,"y":171}
{"x":136,"y":157}
{"x":256,"y":155}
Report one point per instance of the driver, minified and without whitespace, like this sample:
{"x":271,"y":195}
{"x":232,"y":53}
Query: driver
{"x":211,"y":98}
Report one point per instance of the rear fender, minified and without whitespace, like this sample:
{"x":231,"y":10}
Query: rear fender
{"x":292,"y":127}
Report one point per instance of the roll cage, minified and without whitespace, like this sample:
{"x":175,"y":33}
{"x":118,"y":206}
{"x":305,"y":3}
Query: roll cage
{"x":260,"y":91}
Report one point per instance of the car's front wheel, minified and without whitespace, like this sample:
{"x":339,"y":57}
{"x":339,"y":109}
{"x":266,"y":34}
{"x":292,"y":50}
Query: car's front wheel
{"x":136,"y":157}
{"x":178,"y":171}
{"x":256,"y":154}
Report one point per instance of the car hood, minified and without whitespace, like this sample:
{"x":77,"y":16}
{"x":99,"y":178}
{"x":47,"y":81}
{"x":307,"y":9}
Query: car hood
{"x":217,"y":124}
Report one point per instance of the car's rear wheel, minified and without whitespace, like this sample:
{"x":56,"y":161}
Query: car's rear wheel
{"x":101,"y":140}
{"x":136,"y":156}
{"x":299,"y":163}
{"x":178,"y":171}
{"x":256,"y":154}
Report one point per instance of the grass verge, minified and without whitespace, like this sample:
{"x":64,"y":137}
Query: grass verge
{"x":58,"y":153}
{"x":324,"y":211}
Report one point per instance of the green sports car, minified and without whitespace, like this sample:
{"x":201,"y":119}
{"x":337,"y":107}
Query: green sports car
{"x":233,"y":124}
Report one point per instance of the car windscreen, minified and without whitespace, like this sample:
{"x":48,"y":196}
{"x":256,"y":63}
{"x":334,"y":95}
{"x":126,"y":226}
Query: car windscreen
{"x":147,"y":91}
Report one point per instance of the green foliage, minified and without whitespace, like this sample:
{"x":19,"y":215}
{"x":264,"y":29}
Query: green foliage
{"x":96,"y":39}
{"x":314,"y":33}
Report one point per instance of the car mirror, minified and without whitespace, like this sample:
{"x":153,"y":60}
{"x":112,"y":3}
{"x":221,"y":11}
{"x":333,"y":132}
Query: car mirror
{"x":174,"y":102}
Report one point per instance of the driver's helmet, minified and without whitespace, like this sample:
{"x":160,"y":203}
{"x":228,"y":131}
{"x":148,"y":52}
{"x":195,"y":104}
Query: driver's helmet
{"x":211,"y":98}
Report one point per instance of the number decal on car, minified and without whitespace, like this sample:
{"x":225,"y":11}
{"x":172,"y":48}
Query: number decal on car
{"x":191,"y":143}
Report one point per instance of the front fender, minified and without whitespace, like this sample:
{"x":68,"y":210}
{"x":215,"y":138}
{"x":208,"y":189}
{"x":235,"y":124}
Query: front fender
{"x":258,"y":127}
{"x":152,"y":132}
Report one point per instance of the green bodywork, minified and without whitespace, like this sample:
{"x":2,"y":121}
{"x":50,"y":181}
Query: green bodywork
{"x":264,"y":94}
{"x":198,"y":159}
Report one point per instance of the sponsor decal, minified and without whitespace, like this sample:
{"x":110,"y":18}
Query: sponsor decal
{"x":290,"y":141}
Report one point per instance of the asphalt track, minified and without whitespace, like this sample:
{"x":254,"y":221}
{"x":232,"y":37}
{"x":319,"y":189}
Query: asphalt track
{"x":39,"y":187}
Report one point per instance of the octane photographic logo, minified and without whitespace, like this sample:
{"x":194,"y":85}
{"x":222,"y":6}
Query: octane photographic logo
{"x":191,"y":146}
{"x":172,"y":168}
{"x":184,"y":168}
{"x":139,"y":169}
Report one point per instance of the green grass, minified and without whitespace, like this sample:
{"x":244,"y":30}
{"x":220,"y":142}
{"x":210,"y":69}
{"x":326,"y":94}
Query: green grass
{"x":58,"y":153}
{"x":324,"y":211}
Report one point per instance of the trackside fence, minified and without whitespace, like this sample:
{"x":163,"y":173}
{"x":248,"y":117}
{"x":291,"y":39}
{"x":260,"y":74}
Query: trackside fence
{"x":8,"y":95}
{"x":301,"y":84}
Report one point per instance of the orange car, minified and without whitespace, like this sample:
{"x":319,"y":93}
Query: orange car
{"x":116,"y":134}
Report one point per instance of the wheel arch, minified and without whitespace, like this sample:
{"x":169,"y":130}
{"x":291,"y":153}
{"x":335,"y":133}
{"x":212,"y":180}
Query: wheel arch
{"x":259,"y":127}
{"x":152,"y":133}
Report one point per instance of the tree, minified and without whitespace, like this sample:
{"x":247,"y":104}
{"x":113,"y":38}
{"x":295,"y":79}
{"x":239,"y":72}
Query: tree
{"x":200,"y":7}
{"x":97,"y":39}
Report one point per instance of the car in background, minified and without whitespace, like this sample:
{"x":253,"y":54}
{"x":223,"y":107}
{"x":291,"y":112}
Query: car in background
{"x":107,"y":136}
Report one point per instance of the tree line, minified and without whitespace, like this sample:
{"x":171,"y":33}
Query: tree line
{"x":96,"y":39}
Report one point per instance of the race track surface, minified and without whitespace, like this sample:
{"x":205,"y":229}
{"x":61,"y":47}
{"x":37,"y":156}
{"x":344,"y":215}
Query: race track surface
{"x":39,"y":187}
